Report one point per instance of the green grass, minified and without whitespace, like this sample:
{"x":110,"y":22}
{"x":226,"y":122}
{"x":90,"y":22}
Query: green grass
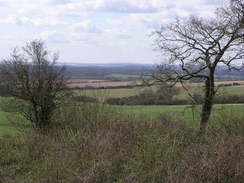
{"x":185,"y":113}
{"x":9,"y":123}
{"x":233,"y":90}
{"x":118,"y":93}
{"x":6,"y":127}
{"x":222,"y":91}
{"x":114,"y":93}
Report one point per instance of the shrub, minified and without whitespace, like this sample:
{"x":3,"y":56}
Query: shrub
{"x":92,"y":145}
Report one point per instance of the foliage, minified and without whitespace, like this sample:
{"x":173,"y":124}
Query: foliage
{"x":32,"y":77}
{"x":89,"y":144}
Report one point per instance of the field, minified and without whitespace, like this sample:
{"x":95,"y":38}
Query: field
{"x":118,"y":93}
{"x":185,"y":113}
{"x":114,"y":93}
{"x":5,"y":125}
{"x":119,"y":140}
{"x":123,"y":77}
{"x":86,"y":83}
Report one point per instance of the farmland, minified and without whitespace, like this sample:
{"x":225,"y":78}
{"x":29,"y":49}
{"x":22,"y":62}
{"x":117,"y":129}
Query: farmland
{"x":118,"y":93}
{"x":106,"y":108}
{"x":187,"y":114}
{"x":184,"y":113}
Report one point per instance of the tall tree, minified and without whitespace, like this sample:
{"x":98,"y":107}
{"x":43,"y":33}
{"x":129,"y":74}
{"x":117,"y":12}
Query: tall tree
{"x":196,"y":46}
{"x":31,"y":74}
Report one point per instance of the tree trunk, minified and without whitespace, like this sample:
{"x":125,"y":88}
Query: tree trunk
{"x":208,"y":102}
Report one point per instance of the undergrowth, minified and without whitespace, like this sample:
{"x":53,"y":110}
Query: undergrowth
{"x":89,"y":144}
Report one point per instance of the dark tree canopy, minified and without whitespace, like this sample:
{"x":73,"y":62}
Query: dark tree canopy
{"x":194,"y":48}
{"x":31,"y":74}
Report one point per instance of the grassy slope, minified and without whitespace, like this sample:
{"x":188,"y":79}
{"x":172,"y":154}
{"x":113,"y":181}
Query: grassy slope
{"x":9,"y":125}
{"x":5,"y":125}
{"x":186,"y":113}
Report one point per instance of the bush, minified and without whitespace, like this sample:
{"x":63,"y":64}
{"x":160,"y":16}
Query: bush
{"x":92,"y":145}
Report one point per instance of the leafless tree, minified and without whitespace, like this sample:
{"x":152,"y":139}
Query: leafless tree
{"x":31,"y":75}
{"x":196,"y":46}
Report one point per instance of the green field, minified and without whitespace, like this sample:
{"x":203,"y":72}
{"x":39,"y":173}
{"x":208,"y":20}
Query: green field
{"x":185,"y":113}
{"x":114,"y":93}
{"x":222,"y":91}
{"x":11,"y":123}
{"x":5,"y":125}
{"x":118,"y":93}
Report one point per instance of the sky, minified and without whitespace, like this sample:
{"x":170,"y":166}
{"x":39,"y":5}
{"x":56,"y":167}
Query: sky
{"x":94,"y":31}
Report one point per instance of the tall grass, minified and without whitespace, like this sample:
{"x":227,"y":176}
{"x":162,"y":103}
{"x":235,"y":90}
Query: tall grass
{"x":89,"y":144}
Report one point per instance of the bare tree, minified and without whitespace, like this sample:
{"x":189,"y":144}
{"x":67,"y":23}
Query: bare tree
{"x":31,"y":75}
{"x":196,"y":46}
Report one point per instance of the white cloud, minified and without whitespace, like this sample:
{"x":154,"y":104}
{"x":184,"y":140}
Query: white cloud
{"x":123,"y":36}
{"x":118,"y":33}
{"x":173,"y":9}
{"x":53,"y":36}
{"x":47,"y":34}
{"x":2,"y":4}
{"x":112,"y":21}
{"x":87,"y":26}
{"x":126,"y":6}
{"x":83,"y":7}
{"x":13,"y":19}
{"x":95,"y":22}
{"x":56,"y":2}
{"x":76,"y":7}
{"x":38,"y":22}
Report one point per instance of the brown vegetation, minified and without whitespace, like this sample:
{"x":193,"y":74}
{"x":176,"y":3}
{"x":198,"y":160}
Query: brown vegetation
{"x":88,"y":144}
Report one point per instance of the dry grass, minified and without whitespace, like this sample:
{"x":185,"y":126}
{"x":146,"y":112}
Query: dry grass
{"x":88,"y":144}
